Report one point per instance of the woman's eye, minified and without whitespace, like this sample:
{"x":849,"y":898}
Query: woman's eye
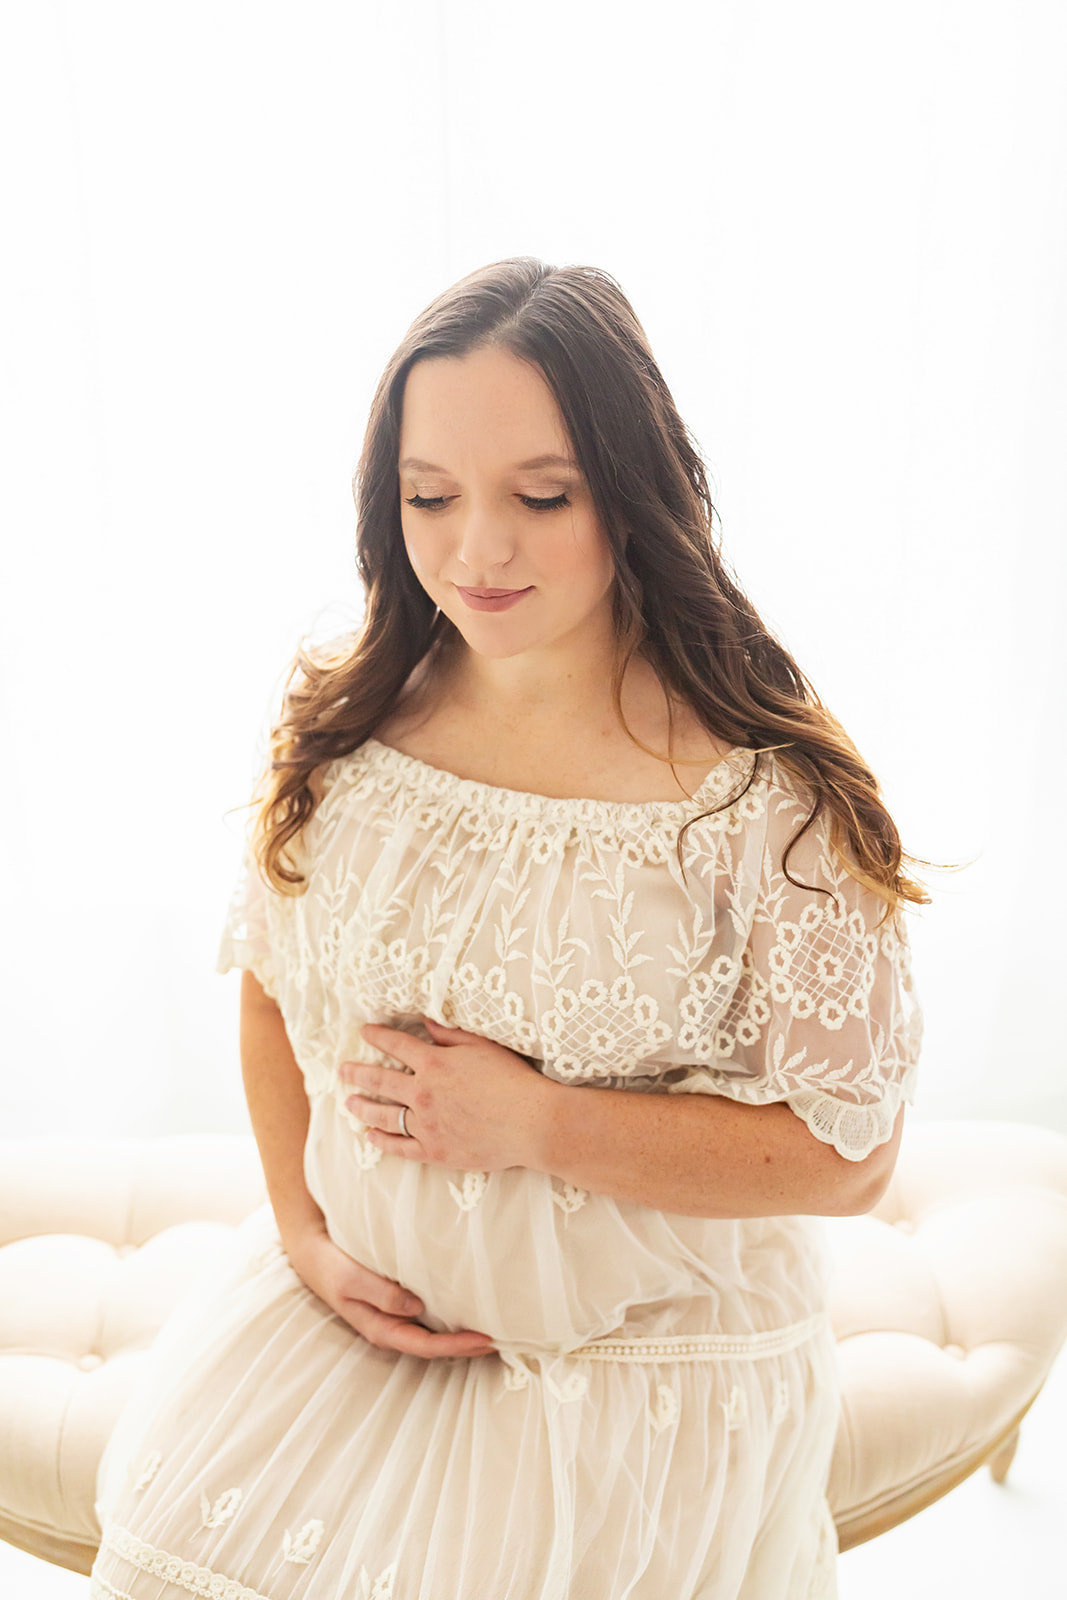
{"x":544,"y":505}
{"x":426,"y":505}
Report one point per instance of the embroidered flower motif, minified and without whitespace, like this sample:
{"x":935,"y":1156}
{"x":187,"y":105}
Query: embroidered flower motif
{"x":516,"y":1374}
{"x":781,"y":1401}
{"x":570,"y":1199}
{"x":750,"y":805}
{"x":666,"y":1408}
{"x":379,"y":1588}
{"x":735,"y":1409}
{"x":224,"y":1509}
{"x":573,"y":1386}
{"x":302,"y":1549}
{"x":473,"y":1189}
{"x":149,"y":1470}
{"x":367,"y":1155}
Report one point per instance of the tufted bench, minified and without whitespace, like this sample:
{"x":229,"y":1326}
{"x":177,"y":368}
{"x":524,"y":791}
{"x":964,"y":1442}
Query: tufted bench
{"x":949,"y":1304}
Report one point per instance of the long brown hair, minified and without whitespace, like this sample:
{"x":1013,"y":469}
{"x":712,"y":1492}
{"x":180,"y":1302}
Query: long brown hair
{"x":673,"y":598}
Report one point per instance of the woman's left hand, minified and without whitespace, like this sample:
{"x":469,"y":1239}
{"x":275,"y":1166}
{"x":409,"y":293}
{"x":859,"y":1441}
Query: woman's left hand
{"x":472,"y":1104}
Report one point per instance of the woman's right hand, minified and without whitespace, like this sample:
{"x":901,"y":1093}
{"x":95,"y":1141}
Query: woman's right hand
{"x":381,"y":1310}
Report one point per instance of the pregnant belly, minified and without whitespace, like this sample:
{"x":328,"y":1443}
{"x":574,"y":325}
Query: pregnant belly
{"x":537,"y":1264}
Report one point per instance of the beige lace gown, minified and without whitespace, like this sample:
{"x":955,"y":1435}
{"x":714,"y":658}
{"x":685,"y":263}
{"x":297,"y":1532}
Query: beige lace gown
{"x":659,"y":1421}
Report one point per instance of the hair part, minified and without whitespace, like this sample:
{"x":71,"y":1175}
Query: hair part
{"x":674,"y":597}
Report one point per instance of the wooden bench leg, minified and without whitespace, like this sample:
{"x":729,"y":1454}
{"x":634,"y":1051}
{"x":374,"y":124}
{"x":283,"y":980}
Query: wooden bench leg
{"x":1003,"y":1458}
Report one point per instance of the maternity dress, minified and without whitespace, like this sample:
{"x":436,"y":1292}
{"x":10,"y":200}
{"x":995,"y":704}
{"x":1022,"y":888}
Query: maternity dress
{"x":658,"y":1420}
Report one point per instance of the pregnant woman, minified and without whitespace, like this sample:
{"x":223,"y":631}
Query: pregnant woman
{"x":576,"y":991}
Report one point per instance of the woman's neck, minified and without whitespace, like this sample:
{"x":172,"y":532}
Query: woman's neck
{"x":516,"y":730}
{"x":571,"y":688}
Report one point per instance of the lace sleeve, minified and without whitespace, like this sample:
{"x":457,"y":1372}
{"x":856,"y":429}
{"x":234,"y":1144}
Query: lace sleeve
{"x":824,"y":1015}
{"x":245,"y":938}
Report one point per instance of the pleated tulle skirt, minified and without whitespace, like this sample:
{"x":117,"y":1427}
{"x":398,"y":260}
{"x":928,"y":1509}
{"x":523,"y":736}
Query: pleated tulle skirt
{"x":269,"y":1450}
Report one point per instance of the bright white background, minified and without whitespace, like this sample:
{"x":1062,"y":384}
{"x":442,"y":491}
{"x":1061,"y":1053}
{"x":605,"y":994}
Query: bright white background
{"x":843,"y":227}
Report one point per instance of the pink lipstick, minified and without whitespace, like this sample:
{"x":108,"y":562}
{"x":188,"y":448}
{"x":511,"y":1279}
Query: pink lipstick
{"x":492,"y":599}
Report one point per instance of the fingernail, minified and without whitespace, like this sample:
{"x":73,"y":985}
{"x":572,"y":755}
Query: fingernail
{"x":411,"y":1304}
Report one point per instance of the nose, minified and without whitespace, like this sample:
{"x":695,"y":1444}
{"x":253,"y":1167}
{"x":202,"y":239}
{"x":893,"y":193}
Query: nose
{"x":484,"y":543}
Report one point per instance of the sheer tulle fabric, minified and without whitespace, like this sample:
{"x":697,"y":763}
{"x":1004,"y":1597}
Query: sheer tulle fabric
{"x":660,"y":1415}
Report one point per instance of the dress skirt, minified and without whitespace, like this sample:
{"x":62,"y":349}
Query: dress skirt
{"x":271,"y":1451}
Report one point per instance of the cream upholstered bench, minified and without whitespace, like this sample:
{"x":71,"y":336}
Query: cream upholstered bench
{"x":949,"y":1305}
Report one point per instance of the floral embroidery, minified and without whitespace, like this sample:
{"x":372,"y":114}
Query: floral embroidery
{"x":612,"y":1028}
{"x":564,"y":930}
{"x":302,"y":1549}
{"x":224,"y":1509}
{"x":367,"y":1155}
{"x":149,"y":1470}
{"x":380,"y":1588}
{"x":573,"y":1386}
{"x":516,"y":1373}
{"x":570,"y":1198}
{"x":471,"y":1193}
{"x":781,"y":1401}
{"x":665,"y":1410}
{"x":735,"y":1409}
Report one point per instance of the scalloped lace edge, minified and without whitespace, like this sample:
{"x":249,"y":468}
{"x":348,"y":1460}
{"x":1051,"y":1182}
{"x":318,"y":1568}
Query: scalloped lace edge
{"x":187,"y":1575}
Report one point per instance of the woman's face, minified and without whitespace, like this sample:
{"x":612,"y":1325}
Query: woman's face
{"x":509,"y":545}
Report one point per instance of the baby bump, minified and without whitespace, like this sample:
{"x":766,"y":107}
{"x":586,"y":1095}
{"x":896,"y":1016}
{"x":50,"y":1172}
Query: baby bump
{"x":521,"y":1256}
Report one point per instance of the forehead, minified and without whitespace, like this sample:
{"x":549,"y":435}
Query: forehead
{"x":487,"y":405}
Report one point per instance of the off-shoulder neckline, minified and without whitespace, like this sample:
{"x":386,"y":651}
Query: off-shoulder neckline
{"x":728,"y":770}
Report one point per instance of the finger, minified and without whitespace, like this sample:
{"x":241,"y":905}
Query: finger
{"x":377,"y":1117}
{"x":413,"y":1339}
{"x":384,"y":1294}
{"x":392,"y":1042}
{"x":410,"y":1338}
{"x":450,"y":1036}
{"x":368,"y":1076}
{"x":381,"y":1116}
{"x":394,"y":1144}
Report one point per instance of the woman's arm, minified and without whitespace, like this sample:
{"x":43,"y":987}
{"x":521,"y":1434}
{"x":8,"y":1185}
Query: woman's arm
{"x":476,"y":1106}
{"x":278,"y":1107}
{"x":376,"y":1307}
{"x":703,"y":1155}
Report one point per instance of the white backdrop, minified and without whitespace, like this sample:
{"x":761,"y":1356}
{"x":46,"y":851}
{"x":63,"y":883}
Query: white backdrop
{"x":844,"y":230}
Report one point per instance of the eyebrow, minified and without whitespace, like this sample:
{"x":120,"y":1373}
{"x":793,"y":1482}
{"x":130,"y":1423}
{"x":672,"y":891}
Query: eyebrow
{"x":413,"y":464}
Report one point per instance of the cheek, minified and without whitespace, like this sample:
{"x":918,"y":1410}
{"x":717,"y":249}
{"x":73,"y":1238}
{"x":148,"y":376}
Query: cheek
{"x":420,"y":552}
{"x":590,"y":563}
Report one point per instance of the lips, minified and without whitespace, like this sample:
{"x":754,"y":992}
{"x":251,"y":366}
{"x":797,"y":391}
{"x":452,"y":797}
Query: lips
{"x":492,"y":599}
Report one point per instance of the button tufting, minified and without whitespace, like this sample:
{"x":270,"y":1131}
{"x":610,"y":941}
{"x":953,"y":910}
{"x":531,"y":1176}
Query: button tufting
{"x":90,"y":1362}
{"x":956,"y":1351}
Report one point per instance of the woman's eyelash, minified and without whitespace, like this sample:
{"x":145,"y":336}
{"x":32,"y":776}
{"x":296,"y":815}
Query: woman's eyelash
{"x":528,"y":500}
{"x":544,"y":505}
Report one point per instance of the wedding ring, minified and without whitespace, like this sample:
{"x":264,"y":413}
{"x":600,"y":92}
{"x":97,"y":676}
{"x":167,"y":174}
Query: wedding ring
{"x":404,"y":1134}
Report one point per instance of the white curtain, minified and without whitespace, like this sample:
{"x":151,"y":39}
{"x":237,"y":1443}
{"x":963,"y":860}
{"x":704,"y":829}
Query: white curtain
{"x":844,"y":230}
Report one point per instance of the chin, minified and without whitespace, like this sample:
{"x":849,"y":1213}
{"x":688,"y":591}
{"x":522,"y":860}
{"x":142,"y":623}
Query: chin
{"x":494,"y":649}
